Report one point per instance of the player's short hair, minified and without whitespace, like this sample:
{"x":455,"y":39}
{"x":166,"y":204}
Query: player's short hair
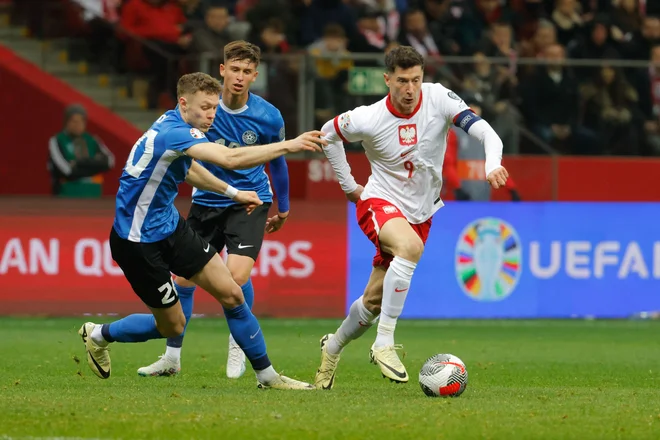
{"x":242,"y":50}
{"x":403,"y":57}
{"x":198,"y":82}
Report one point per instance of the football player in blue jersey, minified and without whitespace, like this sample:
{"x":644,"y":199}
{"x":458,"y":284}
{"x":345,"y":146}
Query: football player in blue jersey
{"x":150,"y":240}
{"x":242,"y":120}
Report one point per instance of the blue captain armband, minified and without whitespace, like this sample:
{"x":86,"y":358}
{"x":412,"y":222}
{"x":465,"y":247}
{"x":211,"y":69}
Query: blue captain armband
{"x":465,"y":119}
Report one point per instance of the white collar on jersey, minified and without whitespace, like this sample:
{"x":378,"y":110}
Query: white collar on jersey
{"x":232,"y":111}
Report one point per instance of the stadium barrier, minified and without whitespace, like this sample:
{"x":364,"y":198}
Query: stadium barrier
{"x":55,"y":260}
{"x":529,"y":260}
{"x":557,"y":260}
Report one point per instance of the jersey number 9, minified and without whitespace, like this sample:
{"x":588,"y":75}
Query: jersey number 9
{"x":408,"y":165}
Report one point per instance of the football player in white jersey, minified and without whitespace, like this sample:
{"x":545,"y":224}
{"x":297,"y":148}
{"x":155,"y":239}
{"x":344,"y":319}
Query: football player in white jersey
{"x":404,"y":136}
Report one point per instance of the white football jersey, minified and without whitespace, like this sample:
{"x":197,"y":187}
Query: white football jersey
{"x":406,"y":152}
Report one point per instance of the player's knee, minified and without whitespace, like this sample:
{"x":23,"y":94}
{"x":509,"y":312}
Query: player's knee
{"x":233,"y":299}
{"x":240,"y":277}
{"x":180,"y":281}
{"x":411,"y":250}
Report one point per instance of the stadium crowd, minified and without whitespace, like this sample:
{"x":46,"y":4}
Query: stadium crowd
{"x":603,"y":108}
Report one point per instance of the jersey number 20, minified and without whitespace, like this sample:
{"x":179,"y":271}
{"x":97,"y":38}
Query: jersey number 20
{"x":135,"y":170}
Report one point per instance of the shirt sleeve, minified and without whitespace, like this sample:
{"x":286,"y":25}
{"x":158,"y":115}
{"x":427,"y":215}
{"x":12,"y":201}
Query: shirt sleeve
{"x":278,"y":167}
{"x":344,"y":127}
{"x":180,"y":139}
{"x":451,"y":105}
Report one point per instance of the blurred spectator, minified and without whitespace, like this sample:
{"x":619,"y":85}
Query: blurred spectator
{"x":161,"y":23}
{"x":77,"y":158}
{"x":157,"y":20}
{"x":378,"y":26}
{"x":415,"y":33}
{"x":317,"y":14}
{"x":493,"y":88}
{"x":626,"y":21}
{"x":566,"y":16}
{"x":442,"y":24}
{"x":331,"y":71}
{"x":194,"y":10}
{"x":272,"y":39}
{"x":545,"y":35}
{"x":212,"y":35}
{"x":648,"y":88}
{"x":642,"y":41}
{"x":595,"y":44}
{"x":99,"y":18}
{"x":282,"y":73}
{"x":550,"y":103}
{"x":475,"y":21}
{"x":500,"y":44}
{"x":610,"y":108}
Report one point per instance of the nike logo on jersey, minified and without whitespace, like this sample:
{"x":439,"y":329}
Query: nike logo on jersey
{"x":405,"y":153}
{"x":242,"y":246}
{"x":255,"y":335}
{"x":400,"y":290}
{"x":208,"y":246}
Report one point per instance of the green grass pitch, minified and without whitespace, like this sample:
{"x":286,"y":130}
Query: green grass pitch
{"x":527,"y":380}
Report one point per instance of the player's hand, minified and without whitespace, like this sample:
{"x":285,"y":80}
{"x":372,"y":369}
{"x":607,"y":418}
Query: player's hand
{"x":355,"y":195}
{"x":248,"y":198}
{"x":276,"y":222}
{"x":497,"y":178}
{"x":310,"y":141}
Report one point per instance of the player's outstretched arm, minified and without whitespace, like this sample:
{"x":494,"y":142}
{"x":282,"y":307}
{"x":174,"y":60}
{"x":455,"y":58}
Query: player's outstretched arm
{"x":243,"y":158}
{"x":201,"y":178}
{"x":336,"y":155}
{"x":496,"y":174}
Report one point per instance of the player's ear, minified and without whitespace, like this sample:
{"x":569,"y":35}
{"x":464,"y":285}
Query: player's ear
{"x":387,"y":79}
{"x":256,"y":74}
{"x":183,"y":102}
{"x":222,"y":70}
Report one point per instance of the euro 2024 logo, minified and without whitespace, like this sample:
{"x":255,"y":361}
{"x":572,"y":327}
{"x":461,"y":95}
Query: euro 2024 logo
{"x":488,"y":259}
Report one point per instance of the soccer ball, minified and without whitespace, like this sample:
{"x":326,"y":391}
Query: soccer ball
{"x":443,"y":375}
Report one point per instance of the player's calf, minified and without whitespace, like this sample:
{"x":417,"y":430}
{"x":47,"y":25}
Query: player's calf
{"x":170,"y":322}
{"x":243,"y":325}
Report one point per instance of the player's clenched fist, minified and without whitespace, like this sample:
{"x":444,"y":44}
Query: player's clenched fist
{"x":497,"y":178}
{"x":249,"y":199}
{"x":309,"y":141}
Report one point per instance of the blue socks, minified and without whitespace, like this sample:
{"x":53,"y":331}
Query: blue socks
{"x":142,"y":327}
{"x":248,"y":293}
{"x":186,"y":300}
{"x":245,"y":329}
{"x":133,"y":328}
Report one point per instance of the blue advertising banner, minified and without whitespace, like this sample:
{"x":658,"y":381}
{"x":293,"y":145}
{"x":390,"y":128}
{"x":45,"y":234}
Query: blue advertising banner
{"x":529,"y":260}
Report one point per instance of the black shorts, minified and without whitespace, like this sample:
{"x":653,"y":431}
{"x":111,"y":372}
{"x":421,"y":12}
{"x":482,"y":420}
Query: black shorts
{"x":243,"y":234}
{"x":148,"y":267}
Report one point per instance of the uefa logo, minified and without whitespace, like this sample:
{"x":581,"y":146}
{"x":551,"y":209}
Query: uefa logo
{"x":488,"y":259}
